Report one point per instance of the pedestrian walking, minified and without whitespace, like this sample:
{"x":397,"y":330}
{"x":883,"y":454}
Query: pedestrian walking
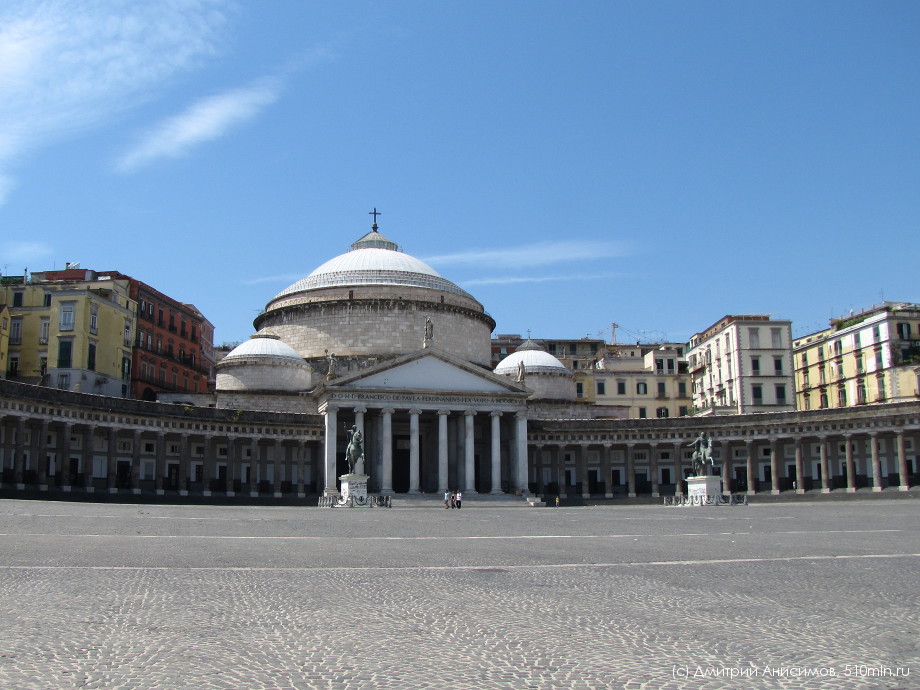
{"x":453,"y":499}
{"x":446,"y":500}
{"x":458,"y":498}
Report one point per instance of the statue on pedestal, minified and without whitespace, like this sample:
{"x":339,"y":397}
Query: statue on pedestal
{"x":702,"y":455}
{"x":354,"y":453}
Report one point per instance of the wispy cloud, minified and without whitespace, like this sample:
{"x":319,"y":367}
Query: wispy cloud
{"x":514,"y":280}
{"x":70,"y":66}
{"x":532,"y":255}
{"x":205,"y":120}
{"x":281,"y":278}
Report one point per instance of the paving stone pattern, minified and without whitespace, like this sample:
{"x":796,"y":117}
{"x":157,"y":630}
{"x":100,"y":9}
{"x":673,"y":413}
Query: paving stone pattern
{"x":119,"y":596}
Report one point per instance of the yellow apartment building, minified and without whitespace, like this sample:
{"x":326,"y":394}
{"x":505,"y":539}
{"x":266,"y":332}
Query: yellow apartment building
{"x":74,"y":335}
{"x":865,"y":358}
{"x":650,"y":380}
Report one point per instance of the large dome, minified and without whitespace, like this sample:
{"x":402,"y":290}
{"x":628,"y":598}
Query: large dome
{"x":368,"y":265}
{"x":374,"y":302}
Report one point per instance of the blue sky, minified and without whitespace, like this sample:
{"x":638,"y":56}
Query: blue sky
{"x":654,"y":164}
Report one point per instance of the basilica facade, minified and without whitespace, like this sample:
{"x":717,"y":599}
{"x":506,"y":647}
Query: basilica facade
{"x":375,"y":340}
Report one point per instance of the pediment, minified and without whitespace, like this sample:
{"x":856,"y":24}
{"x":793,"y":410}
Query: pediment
{"x":429,"y":372}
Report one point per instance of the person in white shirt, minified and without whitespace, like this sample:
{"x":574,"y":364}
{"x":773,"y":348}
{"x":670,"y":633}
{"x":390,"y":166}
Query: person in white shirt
{"x":446,"y":500}
{"x":458,"y":498}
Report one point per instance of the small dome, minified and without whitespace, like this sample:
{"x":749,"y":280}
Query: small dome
{"x":535,"y":361}
{"x":264,"y":345}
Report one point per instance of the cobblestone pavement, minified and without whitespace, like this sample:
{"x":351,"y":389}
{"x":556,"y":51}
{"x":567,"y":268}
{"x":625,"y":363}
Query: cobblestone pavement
{"x":781,"y":596}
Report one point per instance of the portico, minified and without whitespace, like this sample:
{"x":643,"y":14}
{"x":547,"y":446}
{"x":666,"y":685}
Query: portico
{"x":431,"y":423}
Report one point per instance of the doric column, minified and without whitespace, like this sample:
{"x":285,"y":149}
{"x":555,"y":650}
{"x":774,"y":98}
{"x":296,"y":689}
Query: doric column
{"x":331,"y":415}
{"x":850,"y":463}
{"x":751,"y":469}
{"x":560,"y":471}
{"x":386,"y":480}
{"x":825,"y":466}
{"x":41,"y":455}
{"x":89,"y":471}
{"x":653,"y":468}
{"x":19,"y":451}
{"x":903,"y":472}
{"x":231,"y":467}
{"x":468,"y":452}
{"x":799,"y":467}
{"x":442,"y":451}
{"x":414,"y":459}
{"x":520,"y":439}
{"x":112,"y":461}
{"x":63,"y":464}
{"x":678,"y":470}
{"x":184,"y":465}
{"x":876,"y":463}
{"x":159,"y":468}
{"x":774,"y":467}
{"x":251,"y":485}
{"x":277,"y":473}
{"x":631,"y":470}
{"x":302,"y":451}
{"x":135,"y":476}
{"x":606,"y":470}
{"x":583,"y":469}
{"x":207,"y":463}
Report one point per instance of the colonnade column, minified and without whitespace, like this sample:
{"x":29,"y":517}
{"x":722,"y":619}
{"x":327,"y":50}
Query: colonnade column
{"x":678,"y":470}
{"x":208,"y":467}
{"x":253,"y":469}
{"x":19,"y":453}
{"x":183,"y":465}
{"x":442,"y":451}
{"x":799,"y":467}
{"x":630,"y":470}
{"x":277,"y":473}
{"x":583,"y":470}
{"x":231,"y":467}
{"x":751,"y":469}
{"x":851,"y":465}
{"x":89,"y":442}
{"x":726,"y":470}
{"x":496,"y":454}
{"x":134,"y":476}
{"x":605,"y":470}
{"x":653,"y":468}
{"x":386,"y":480}
{"x":302,"y":451}
{"x":64,"y":478}
{"x":903,"y":473}
{"x":413,"y":452}
{"x":41,"y":455}
{"x":825,"y":466}
{"x":774,"y":466}
{"x":112,"y":461}
{"x":469,"y":457}
{"x":520,"y":437}
{"x":559,"y":464}
{"x":876,"y":463}
{"x":331,"y":415}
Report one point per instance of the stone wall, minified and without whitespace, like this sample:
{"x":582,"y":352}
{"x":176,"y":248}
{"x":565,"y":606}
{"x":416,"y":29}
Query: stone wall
{"x":263,"y":373}
{"x":381,"y":327}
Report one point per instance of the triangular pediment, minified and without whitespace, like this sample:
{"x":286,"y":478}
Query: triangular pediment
{"x":430,"y":371}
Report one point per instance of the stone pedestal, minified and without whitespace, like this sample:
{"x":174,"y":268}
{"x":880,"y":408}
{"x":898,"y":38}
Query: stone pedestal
{"x":704,"y":486}
{"x":354,"y":486}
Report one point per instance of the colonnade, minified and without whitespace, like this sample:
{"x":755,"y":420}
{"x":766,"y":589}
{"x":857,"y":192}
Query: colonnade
{"x":825,"y":462}
{"x":451,"y":458}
